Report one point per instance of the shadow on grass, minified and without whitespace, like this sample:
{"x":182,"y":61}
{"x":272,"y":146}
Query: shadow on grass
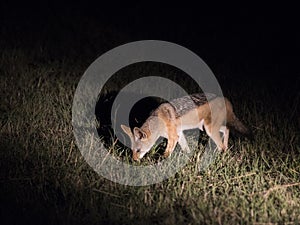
{"x":34,"y":190}
{"x":25,"y":199}
{"x":138,"y":115}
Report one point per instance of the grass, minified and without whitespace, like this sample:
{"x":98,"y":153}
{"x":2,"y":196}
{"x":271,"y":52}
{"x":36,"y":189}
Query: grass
{"x":44,"y":178}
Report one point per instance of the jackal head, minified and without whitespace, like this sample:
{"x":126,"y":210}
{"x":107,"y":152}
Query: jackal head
{"x":141,"y":142}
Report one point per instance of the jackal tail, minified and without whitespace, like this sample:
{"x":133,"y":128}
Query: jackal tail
{"x":238,"y":126}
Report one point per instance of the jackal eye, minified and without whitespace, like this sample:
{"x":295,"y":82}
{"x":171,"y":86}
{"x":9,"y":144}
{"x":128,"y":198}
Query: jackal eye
{"x":138,"y":150}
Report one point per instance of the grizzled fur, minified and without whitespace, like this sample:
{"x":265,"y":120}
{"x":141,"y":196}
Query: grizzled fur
{"x":187,"y":103}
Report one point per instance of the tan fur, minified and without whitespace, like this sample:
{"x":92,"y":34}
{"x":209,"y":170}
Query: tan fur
{"x":166,"y":122}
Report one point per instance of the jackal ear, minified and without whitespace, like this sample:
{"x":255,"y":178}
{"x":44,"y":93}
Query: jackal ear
{"x":127,"y":130}
{"x":139,"y":134}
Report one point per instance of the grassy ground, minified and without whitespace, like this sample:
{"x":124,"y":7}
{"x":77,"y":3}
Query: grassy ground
{"x":44,"y":178}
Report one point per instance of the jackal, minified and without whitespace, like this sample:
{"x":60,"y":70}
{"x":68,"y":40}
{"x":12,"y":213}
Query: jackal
{"x":169,"y":120}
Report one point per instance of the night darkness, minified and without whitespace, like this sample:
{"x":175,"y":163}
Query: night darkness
{"x":44,"y":50}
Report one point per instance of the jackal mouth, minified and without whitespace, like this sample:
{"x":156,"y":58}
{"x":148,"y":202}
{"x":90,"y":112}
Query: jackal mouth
{"x":136,"y":156}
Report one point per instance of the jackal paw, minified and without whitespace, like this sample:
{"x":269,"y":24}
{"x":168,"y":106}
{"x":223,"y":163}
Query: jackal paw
{"x":222,"y":148}
{"x":167,"y":154}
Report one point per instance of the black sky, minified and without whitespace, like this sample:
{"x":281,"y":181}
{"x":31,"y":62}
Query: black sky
{"x":262,"y":41}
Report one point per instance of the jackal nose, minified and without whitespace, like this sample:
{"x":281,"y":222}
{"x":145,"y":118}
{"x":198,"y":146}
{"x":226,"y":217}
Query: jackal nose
{"x":135,"y":157}
{"x":136,"y":154}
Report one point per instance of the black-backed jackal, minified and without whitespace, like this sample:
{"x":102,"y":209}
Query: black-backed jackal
{"x":169,"y":120}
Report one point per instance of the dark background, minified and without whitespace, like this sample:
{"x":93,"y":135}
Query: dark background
{"x":251,"y":41}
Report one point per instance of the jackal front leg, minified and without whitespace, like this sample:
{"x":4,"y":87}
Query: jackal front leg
{"x":172,"y":141}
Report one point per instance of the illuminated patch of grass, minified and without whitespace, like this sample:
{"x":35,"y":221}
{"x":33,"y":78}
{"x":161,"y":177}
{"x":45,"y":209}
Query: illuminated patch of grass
{"x":45,"y":179}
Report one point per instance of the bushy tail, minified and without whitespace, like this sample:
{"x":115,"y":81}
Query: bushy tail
{"x":237,"y":125}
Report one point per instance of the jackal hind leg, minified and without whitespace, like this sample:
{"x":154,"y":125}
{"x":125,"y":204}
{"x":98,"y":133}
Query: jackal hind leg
{"x":214,"y":134}
{"x":225,"y":132}
{"x":183,"y":143}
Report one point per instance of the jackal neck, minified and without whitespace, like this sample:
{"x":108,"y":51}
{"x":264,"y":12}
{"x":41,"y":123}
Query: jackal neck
{"x":152,"y":124}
